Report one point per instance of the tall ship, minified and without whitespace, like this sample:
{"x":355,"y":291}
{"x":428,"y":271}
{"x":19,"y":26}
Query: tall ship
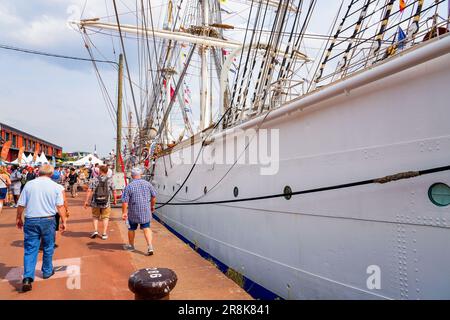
{"x":303,"y":146}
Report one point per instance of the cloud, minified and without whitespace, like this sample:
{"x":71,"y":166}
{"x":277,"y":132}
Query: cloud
{"x":62,"y":106}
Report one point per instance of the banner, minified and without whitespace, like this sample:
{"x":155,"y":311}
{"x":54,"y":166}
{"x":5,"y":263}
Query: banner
{"x":36,"y":152}
{"x":19,"y":157}
{"x":5,"y":150}
{"x":122,"y":167}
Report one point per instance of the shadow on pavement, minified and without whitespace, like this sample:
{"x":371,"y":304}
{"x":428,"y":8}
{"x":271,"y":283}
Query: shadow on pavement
{"x":4,"y":270}
{"x":17,"y":243}
{"x":76,"y":234}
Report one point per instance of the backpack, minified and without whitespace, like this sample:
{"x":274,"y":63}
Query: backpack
{"x":101,"y":193}
{"x":30,"y":176}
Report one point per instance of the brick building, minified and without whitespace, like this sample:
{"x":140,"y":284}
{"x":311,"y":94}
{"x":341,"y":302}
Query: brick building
{"x":20,"y":138}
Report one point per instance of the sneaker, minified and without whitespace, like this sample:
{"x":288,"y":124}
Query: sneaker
{"x":94,"y":235}
{"x":128,"y":247}
{"x":104,"y":236}
{"x":150,"y":251}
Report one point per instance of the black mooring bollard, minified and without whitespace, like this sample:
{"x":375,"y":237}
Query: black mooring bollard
{"x":152,"y":283}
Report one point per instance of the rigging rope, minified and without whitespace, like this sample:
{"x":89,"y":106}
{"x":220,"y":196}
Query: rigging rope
{"x":138,"y":118}
{"x":382,"y":180}
{"x":333,"y":42}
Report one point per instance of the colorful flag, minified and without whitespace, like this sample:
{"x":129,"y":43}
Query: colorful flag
{"x":401,"y":36}
{"x":36,"y":152}
{"x":402,"y":5}
{"x":172,"y":90}
{"x":5,"y":150}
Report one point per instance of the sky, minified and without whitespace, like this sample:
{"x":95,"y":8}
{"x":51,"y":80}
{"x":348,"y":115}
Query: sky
{"x":60,"y":100}
{"x":55,"y":99}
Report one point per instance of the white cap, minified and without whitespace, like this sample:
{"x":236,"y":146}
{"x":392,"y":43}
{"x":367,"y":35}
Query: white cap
{"x":136,"y":172}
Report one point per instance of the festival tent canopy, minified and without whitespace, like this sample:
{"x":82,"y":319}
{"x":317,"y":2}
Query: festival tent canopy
{"x":29,"y":159}
{"x":42,"y":159}
{"x":89,"y":159}
{"x":22,"y":163}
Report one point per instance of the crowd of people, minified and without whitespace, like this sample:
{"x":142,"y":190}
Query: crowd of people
{"x":39,"y":194}
{"x":14,"y":178}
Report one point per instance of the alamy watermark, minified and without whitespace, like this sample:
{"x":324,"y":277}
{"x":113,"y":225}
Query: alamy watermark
{"x":73,"y":277}
{"x":260,"y":148}
{"x":374,"y":280}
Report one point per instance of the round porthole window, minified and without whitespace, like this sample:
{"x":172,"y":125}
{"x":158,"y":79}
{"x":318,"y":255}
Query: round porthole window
{"x":439,"y":194}
{"x":236,"y":192}
{"x":186,"y":189}
{"x":205,"y":190}
{"x":173,"y":188}
{"x":287,"y":193}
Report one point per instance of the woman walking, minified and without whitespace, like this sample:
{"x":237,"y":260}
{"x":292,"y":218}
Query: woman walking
{"x":5,"y":182}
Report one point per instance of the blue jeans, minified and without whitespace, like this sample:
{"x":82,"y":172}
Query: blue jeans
{"x":35,"y":230}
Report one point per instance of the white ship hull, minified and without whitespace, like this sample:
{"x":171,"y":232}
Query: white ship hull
{"x":320,"y":245}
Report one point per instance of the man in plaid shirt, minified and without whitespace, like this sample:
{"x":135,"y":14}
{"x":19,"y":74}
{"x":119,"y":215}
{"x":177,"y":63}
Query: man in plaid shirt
{"x":139,"y":198}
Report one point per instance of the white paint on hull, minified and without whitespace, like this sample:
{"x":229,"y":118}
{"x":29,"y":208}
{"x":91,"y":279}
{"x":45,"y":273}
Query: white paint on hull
{"x":320,"y":245}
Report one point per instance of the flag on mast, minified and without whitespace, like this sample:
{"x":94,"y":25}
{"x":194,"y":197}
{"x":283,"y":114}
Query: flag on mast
{"x":5,"y":150}
{"x":401,"y":36}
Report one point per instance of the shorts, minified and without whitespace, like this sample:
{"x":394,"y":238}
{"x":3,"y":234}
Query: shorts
{"x":3,"y":193}
{"x":133,"y":226}
{"x":16,"y":189}
{"x":101,"y":213}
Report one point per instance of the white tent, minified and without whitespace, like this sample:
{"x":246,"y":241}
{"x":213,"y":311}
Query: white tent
{"x":29,"y":159}
{"x":89,"y":159}
{"x":22,"y":163}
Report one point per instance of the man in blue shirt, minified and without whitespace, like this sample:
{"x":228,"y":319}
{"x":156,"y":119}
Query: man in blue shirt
{"x":139,"y":198}
{"x":41,"y":199}
{"x":57,"y":175}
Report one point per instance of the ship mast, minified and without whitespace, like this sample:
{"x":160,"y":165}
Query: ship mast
{"x":205,"y":105}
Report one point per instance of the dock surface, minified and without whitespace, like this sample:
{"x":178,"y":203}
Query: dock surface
{"x":99,"y":269}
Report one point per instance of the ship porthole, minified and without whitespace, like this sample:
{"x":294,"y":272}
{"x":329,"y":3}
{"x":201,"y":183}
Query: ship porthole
{"x":287,"y":193}
{"x":205,"y":190}
{"x":236,"y":192}
{"x":173,"y":188}
{"x":186,"y":189}
{"x":439,"y":194}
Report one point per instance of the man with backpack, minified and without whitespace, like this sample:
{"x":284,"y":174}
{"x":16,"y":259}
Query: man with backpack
{"x":99,"y":198}
{"x":73,"y":182}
